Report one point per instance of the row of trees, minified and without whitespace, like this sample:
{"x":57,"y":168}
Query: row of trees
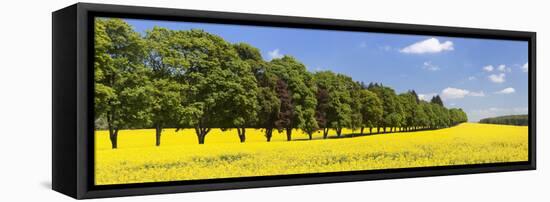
{"x":517,"y":120}
{"x":193,"y":79}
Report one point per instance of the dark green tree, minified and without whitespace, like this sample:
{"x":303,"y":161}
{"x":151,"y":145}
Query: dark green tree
{"x":409,"y":104}
{"x":437,"y":100}
{"x":222,"y":88}
{"x":121,"y":82}
{"x":321,"y":111}
{"x":286,"y":109}
{"x":339,"y":111}
{"x":302,"y":91}
{"x":371,"y":109}
{"x":268,"y":102}
{"x":392,"y":110}
{"x":168,"y":85}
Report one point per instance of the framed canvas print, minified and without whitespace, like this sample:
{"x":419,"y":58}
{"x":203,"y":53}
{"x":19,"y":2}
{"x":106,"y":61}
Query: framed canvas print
{"x":155,"y":100}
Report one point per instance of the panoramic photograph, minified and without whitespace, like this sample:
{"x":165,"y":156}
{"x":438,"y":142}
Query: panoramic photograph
{"x":181,"y":101}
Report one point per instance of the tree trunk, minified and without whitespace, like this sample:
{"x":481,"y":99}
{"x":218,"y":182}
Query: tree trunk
{"x":325,"y":133}
{"x":201,"y":133}
{"x":158,"y":134}
{"x":338,"y":131}
{"x":242,"y":134}
{"x":201,"y":139}
{"x":310,"y":134}
{"x":288,"y":134}
{"x":268,"y":134}
{"x":384,"y":129}
{"x":362,"y":128}
{"x":370,"y":130}
{"x":113,"y":135}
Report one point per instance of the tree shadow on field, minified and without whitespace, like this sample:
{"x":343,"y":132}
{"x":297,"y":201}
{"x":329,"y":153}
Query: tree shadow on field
{"x":352,"y":135}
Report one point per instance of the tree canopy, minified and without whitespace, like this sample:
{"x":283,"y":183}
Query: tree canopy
{"x":193,"y":79}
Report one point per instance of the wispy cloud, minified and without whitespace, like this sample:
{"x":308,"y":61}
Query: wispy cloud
{"x":429,"y":66}
{"x":506,"y":91}
{"x":471,"y":78}
{"x":275,"y":54}
{"x":503,"y":68}
{"x":457,"y":93}
{"x":431,"y":45}
{"x":477,"y":94}
{"x":497,"y":78}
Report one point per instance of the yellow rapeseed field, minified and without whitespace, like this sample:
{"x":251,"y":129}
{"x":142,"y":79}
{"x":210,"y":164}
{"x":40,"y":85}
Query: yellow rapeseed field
{"x":180,"y":157}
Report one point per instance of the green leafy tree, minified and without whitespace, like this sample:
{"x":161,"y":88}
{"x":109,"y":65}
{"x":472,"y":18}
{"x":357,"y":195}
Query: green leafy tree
{"x":421,"y":119}
{"x":267,"y":102}
{"x":269,"y":107}
{"x":392,"y":110}
{"x":338,"y":110}
{"x":167,"y":68}
{"x":457,"y":116}
{"x":371,"y":109}
{"x":121,"y":82}
{"x":321,"y":111}
{"x":441,"y":116}
{"x":437,"y":100}
{"x":222,"y":88}
{"x":301,"y":89}
{"x":356,"y":105}
{"x":409,"y":104}
{"x":432,"y":115}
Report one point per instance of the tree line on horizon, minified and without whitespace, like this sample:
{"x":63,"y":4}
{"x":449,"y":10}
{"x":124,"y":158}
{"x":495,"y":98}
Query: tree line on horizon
{"x":194,"y":79}
{"x":517,"y":120}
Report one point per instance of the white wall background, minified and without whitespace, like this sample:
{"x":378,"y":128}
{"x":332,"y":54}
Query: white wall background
{"x":25,"y":100}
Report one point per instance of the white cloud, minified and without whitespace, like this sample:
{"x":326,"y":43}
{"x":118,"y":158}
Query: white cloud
{"x":454,"y":93}
{"x":525,"y":67}
{"x":503,"y":68}
{"x":431,"y":45}
{"x":457,"y":93}
{"x":426,"y":96}
{"x":488,"y":68}
{"x":506,"y":91}
{"x":497,"y":78}
{"x":275,"y":54}
{"x":477,"y":94}
{"x":471,"y":78}
{"x":429,"y":66}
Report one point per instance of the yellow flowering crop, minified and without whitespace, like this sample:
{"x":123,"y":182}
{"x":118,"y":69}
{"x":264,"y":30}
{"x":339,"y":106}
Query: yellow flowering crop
{"x":180,"y":157}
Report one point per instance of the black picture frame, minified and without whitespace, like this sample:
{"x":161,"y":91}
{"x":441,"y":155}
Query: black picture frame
{"x":72,"y":100}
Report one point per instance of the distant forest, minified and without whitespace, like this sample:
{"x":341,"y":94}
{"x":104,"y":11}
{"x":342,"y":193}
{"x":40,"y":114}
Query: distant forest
{"x":517,"y":120}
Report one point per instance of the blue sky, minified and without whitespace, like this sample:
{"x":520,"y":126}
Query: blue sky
{"x":484,"y":77}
